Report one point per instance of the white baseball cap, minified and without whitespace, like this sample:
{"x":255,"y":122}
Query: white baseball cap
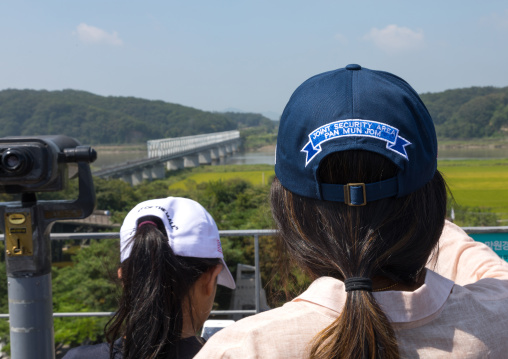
{"x":191,"y":231}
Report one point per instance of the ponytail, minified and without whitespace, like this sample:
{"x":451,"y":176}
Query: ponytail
{"x":362,"y":330}
{"x":156,"y":283}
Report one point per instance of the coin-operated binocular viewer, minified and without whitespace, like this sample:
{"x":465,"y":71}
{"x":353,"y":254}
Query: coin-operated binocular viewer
{"x":29,"y":165}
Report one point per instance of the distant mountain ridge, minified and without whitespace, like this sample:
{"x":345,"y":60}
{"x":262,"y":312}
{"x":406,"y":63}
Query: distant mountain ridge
{"x":94,"y":119}
{"x":475,"y":112}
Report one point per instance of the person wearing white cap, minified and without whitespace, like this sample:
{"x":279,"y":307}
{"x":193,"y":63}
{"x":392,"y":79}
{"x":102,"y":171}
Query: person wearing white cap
{"x":171,"y":262}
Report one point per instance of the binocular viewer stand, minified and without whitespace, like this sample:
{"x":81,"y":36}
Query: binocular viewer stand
{"x":27,"y":227}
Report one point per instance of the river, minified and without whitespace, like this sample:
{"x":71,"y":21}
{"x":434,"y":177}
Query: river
{"x":107,"y":158}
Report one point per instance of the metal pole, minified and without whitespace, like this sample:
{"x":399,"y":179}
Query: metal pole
{"x":257,"y":278}
{"x":28,"y":264}
{"x":31,"y":317}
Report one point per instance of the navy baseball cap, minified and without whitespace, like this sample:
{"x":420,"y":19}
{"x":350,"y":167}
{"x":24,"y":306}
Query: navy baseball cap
{"x":355,"y":108}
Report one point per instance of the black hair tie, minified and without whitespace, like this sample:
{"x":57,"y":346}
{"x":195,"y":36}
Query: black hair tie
{"x":358,"y":283}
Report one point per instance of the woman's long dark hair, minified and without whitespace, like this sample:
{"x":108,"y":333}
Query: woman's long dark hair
{"x":391,"y":238}
{"x":156,"y":283}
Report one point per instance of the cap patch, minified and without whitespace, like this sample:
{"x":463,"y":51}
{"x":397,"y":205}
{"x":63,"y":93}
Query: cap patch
{"x":355,"y":127}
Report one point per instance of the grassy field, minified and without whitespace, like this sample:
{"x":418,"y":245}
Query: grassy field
{"x":254,"y":177}
{"x":474,"y":183}
{"x":255,"y":174}
{"x":479,"y":183}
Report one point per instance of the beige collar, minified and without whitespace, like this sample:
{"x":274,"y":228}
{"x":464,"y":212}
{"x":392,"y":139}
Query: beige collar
{"x":400,"y":307}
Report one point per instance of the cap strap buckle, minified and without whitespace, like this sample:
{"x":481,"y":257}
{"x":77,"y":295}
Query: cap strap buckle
{"x":355,"y":194}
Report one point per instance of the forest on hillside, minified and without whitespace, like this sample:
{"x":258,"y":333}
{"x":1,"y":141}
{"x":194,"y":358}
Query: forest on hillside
{"x":97,"y":119}
{"x":468,"y":113}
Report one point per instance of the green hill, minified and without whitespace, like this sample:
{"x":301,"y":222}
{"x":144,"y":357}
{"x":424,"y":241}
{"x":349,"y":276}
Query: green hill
{"x":460,"y":114}
{"x":475,"y":112}
{"x":97,"y":119}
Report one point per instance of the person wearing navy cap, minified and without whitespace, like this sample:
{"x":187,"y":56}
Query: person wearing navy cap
{"x":360,"y":207}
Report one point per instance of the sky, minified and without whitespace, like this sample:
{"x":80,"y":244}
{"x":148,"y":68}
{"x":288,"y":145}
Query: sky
{"x":246,"y":55}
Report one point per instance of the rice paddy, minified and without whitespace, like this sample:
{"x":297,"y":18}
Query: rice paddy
{"x":479,"y":183}
{"x":473,"y":183}
{"x":257,"y":175}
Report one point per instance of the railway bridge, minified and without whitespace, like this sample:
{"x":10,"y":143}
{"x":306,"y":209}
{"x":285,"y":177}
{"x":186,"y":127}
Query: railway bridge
{"x":175,"y":153}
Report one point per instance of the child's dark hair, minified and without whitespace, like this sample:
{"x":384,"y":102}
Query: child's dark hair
{"x":156,"y":282}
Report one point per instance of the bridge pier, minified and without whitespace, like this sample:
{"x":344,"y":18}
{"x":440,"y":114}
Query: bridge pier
{"x":146,"y":174}
{"x":190,"y":161}
{"x":153,"y":172}
{"x":127,"y":177}
{"x":136,"y":177}
{"x":175,"y":164}
{"x":222,"y":151}
{"x":204,"y":158}
{"x":214,"y":153}
{"x":158,"y":171}
{"x":229,"y":149}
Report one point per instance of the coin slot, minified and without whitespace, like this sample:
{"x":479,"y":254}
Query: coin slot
{"x":17,"y":218}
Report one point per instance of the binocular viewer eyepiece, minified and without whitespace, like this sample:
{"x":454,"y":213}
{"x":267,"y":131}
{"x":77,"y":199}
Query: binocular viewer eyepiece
{"x":16,"y":161}
{"x":39,"y":164}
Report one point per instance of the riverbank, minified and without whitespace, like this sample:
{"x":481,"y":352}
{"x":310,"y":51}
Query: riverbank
{"x":471,"y":144}
{"x":264,"y":149}
{"x":120,"y":148}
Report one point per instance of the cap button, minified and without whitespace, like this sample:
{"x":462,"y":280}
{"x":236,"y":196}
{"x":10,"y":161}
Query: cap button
{"x":353,"y":67}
